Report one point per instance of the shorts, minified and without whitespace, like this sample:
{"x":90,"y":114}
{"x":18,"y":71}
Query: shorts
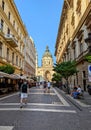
{"x":24,"y":95}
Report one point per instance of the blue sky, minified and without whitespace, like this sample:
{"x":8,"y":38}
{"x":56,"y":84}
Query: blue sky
{"x":41,"y":18}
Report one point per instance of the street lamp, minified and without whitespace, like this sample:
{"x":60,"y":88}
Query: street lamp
{"x":88,"y":41}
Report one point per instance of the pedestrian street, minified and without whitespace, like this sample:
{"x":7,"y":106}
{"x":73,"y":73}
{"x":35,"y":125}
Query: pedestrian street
{"x":43,"y":111}
{"x":37,"y":101}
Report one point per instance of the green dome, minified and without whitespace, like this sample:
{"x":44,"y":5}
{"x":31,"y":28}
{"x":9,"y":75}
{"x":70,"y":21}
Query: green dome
{"x":47,"y":52}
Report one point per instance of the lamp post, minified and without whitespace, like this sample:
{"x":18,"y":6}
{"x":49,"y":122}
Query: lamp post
{"x":88,"y":41}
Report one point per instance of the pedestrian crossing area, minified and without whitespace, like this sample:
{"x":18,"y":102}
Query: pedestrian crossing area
{"x":6,"y":127}
{"x":54,"y":102}
{"x":39,"y":104}
{"x":38,"y":110}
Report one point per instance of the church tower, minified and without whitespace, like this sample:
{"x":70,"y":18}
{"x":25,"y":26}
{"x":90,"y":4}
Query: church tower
{"x":47,"y":60}
{"x":45,"y":72}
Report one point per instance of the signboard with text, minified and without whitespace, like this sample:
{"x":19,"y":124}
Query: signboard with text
{"x":89,"y":73}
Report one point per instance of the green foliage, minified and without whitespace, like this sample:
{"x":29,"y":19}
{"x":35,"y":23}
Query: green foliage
{"x":56,"y":77}
{"x":34,"y":78}
{"x":88,"y":58}
{"x":7,"y":69}
{"x":66,"y":69}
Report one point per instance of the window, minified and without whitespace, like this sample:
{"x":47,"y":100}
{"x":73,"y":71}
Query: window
{"x":78,"y":9}
{"x":84,"y":74}
{"x":14,"y":23}
{"x":67,"y":30}
{"x":74,"y":52}
{"x":20,"y":62}
{"x":7,"y":53}
{"x":3,"y":4}
{"x":13,"y":57}
{"x":17,"y":60}
{"x":0,"y":49}
{"x":81,"y":48}
{"x":80,"y":40}
{"x":2,"y":23}
{"x":9,"y":15}
{"x":77,"y":77}
{"x":8,"y":32}
{"x":73,"y":20}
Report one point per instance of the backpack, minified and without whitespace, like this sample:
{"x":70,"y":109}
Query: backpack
{"x":24,"y":88}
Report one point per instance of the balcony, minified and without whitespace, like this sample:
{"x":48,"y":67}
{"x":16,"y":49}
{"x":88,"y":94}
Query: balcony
{"x":11,"y":40}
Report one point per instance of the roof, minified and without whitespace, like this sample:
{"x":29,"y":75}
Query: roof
{"x":47,"y":52}
{"x":2,"y":74}
{"x":10,"y":76}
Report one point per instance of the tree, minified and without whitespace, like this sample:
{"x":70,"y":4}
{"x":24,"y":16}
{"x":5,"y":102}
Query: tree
{"x":66,"y":69}
{"x":7,"y":69}
{"x":34,"y":78}
{"x":56,"y":78}
{"x":88,"y":58}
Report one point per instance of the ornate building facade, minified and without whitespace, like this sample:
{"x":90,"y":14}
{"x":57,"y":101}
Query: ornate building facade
{"x":30,"y":58}
{"x":45,"y":72}
{"x":14,"y":40}
{"x":74,"y":29}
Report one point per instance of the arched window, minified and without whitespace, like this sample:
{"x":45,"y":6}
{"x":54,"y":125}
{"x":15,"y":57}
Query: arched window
{"x":47,"y":75}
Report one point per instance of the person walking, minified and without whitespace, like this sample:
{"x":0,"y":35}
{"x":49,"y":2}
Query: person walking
{"x":24,"y":93}
{"x":48,"y":86}
{"x":45,"y":86}
{"x":20,"y":82}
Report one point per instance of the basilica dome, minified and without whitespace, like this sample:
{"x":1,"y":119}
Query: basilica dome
{"x":47,"y":53}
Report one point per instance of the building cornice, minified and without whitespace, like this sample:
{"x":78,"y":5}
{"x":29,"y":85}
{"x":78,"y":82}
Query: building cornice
{"x":82,"y":21}
{"x":4,"y":16}
{"x":62,"y":19}
{"x":15,"y":11}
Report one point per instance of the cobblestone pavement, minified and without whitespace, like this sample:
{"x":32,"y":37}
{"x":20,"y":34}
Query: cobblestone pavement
{"x":44,"y":111}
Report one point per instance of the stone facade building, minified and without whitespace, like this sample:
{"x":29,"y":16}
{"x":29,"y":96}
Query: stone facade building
{"x":14,"y":40}
{"x":74,"y":29}
{"x":30,"y":58}
{"x":45,"y":72}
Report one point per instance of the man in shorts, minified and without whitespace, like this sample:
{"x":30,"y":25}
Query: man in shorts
{"x":24,"y":93}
